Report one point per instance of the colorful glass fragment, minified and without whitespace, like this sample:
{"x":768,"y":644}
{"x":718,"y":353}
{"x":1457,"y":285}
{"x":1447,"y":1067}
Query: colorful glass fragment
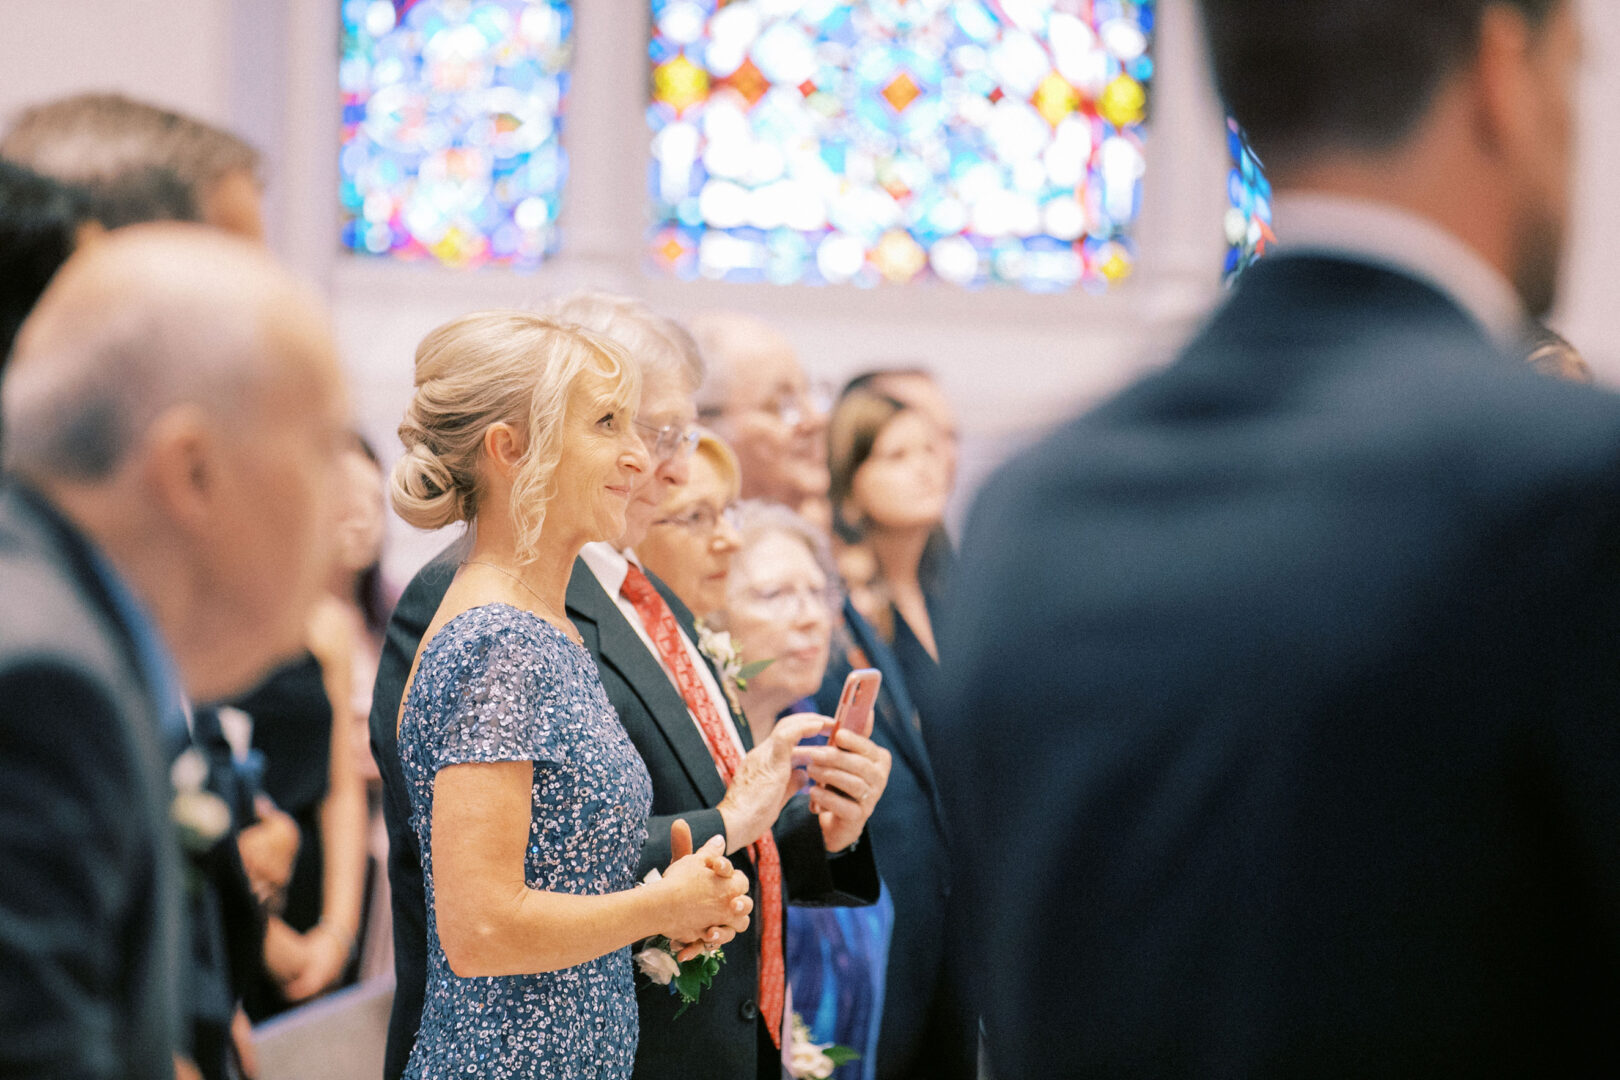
{"x":1248,"y":216}
{"x":969,"y":141}
{"x":451,"y":144}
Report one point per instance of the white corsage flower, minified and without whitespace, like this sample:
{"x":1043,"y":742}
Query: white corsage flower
{"x":807,"y":1060}
{"x":656,"y":963}
{"x":657,"y":960}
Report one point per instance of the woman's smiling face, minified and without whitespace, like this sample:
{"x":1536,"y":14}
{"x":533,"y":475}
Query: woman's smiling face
{"x":601,"y":462}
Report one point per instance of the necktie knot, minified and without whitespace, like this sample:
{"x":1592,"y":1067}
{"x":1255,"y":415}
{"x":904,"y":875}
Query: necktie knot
{"x":637,"y":588}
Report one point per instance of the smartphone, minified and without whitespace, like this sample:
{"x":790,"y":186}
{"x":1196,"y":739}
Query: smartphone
{"x":855,"y":704}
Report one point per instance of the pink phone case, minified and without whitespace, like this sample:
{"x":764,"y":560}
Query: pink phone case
{"x":856,"y":702}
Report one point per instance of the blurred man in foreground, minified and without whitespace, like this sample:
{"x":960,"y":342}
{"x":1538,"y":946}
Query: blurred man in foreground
{"x":172,"y":414}
{"x":1302,"y":652}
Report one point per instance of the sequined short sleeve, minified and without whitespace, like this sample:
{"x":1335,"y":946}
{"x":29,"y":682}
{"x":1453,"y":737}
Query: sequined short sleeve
{"x":500,"y":698}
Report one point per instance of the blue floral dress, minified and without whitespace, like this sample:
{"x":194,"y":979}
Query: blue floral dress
{"x":500,"y":684}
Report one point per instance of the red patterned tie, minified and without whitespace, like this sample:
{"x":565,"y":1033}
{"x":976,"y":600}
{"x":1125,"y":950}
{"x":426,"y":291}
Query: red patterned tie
{"x":661,"y":627}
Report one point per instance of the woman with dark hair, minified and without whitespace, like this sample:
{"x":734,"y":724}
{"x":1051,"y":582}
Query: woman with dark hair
{"x":890,"y":483}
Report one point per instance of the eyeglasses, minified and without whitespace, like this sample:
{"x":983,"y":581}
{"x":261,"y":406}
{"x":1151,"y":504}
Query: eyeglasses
{"x":665,"y":443}
{"x":780,"y":603}
{"x":703,"y":519}
{"x":792,"y":407}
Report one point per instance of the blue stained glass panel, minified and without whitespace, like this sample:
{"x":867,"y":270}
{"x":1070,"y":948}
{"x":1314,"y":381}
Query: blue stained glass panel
{"x":1248,"y":217}
{"x":969,"y":141}
{"x":450,"y":147}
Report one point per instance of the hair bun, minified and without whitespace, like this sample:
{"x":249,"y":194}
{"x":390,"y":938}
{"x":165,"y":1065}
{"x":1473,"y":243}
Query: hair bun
{"x":424,"y":490}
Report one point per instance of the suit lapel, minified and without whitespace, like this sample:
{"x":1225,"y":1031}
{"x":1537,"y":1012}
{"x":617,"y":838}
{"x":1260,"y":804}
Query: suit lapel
{"x":616,"y":645}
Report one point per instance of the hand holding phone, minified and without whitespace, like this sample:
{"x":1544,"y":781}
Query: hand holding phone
{"x":856,"y":703}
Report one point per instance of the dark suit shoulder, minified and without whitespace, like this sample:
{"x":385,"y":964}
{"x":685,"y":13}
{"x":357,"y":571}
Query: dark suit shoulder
{"x":49,"y":615}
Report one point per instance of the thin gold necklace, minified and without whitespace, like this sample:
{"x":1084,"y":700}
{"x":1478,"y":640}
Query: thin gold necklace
{"x":567,"y":627}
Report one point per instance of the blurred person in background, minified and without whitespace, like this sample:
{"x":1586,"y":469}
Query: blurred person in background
{"x":757,"y":390}
{"x":304,"y":728}
{"x":365,"y":600}
{"x":916,"y":388}
{"x":703,"y":767}
{"x":690,"y":542}
{"x":781,"y":603}
{"x":172,"y":413}
{"x":756,"y":397}
{"x":890,"y":483}
{"x":140,"y":162}
{"x":1292,"y":666}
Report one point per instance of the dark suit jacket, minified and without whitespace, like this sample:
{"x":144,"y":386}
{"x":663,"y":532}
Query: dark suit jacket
{"x":88,"y":897}
{"x":719,"y":1036}
{"x":1283,"y":707}
{"x":926,"y":1032}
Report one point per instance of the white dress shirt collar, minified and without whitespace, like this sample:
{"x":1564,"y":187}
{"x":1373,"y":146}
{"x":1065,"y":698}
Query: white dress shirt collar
{"x":610,"y":565}
{"x":1387,"y":236}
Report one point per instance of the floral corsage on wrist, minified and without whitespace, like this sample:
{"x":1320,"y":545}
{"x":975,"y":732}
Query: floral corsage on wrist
{"x":657,"y":959}
{"x":727,"y":658}
{"x":812,"y":1060}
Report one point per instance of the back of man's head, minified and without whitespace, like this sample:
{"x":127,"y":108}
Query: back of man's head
{"x":1306,"y":76}
{"x":139,"y":162}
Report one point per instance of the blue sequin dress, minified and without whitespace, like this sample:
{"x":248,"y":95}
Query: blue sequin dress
{"x":500,"y":684}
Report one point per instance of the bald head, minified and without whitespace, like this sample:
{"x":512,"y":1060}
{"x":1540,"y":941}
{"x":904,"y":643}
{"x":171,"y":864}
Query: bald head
{"x":151,"y":317}
{"x":176,"y":395}
{"x":731,"y":341}
{"x":757,"y":398}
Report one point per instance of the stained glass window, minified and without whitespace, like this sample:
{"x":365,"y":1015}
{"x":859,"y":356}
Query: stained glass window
{"x":1248,"y":218}
{"x":971,"y":141}
{"x":450,"y":136}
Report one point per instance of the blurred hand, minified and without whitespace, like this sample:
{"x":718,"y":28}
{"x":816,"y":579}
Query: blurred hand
{"x":286,"y":953}
{"x":269,"y":850}
{"x":850,"y":779}
{"x":326,"y":955}
{"x":765,"y":781}
{"x":242,"y":1037}
{"x":707,"y":899}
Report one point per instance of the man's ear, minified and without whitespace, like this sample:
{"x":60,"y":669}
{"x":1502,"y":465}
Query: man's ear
{"x":180,"y":466}
{"x":1505,"y":76}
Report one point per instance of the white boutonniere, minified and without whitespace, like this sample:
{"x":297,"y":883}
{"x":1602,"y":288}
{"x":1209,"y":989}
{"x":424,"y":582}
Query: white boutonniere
{"x":812,"y":1060}
{"x":200,"y":817}
{"x":728,"y":661}
{"x":657,"y":960}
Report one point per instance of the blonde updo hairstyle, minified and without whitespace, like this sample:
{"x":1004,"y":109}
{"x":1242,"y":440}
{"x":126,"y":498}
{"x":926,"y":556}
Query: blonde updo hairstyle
{"x":494,"y":367}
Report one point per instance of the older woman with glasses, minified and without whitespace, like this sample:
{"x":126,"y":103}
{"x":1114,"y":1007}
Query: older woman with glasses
{"x":691,"y":540}
{"x":781,"y":605}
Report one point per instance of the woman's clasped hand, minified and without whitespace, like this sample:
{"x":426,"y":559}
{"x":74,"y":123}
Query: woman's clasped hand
{"x":707,"y":898}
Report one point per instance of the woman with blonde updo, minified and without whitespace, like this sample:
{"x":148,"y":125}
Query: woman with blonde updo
{"x":527,"y":797}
